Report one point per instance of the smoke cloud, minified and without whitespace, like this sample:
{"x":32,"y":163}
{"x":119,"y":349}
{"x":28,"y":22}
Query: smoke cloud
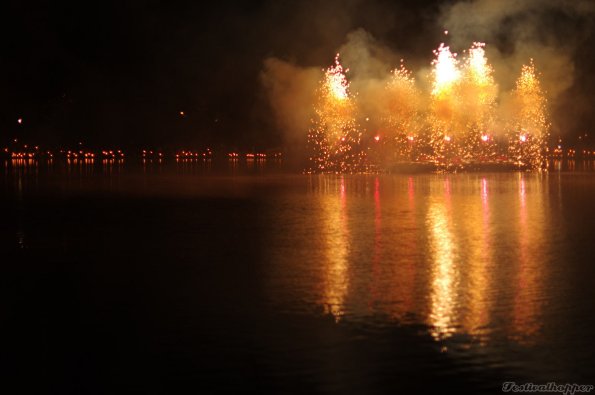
{"x":291,"y":91}
{"x":552,"y":33}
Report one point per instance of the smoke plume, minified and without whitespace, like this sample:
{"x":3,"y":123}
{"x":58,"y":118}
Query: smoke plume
{"x":552,"y":33}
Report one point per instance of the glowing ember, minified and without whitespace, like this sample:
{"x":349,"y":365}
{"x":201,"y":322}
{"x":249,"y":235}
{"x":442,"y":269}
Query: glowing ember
{"x":336,"y":81}
{"x":334,"y":138}
{"x":455,"y":123}
{"x":529,"y":133}
{"x":446,"y":72}
{"x":479,"y":69}
{"x":403,"y":115}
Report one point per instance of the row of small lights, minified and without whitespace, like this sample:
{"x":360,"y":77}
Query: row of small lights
{"x":571,"y":152}
{"x":193,"y":155}
{"x":184,"y":154}
{"x":235,"y":155}
{"x":118,"y":154}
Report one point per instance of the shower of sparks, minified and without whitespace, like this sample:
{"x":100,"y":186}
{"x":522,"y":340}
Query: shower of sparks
{"x":335,"y":136}
{"x":479,"y":93}
{"x":446,"y":72}
{"x":529,"y":132}
{"x":399,"y":117}
{"x":479,"y":69}
{"x":402,"y":115}
{"x":336,"y":81}
{"x":452,"y":125}
{"x":445,"y":106}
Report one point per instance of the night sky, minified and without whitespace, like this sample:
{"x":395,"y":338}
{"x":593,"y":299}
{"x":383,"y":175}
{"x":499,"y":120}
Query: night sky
{"x":121,"y":72}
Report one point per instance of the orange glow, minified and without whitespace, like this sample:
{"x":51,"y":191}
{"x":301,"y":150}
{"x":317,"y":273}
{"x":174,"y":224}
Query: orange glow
{"x":446,"y":72}
{"x":444,"y":271}
{"x":336,"y":81}
{"x":336,"y":265}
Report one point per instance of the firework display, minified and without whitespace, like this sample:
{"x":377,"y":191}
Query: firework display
{"x":335,"y":136}
{"x":454,"y":124}
{"x":402,"y":116}
{"x":527,"y":135}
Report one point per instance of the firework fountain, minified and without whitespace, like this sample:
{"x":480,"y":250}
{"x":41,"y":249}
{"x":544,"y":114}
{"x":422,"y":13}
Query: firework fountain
{"x":529,"y":131}
{"x":479,"y":94}
{"x":444,"y":117}
{"x":335,"y":137}
{"x":402,"y":115}
{"x":451,"y":126}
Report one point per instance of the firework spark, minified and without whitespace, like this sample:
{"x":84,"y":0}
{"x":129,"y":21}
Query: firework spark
{"x":402,"y":117}
{"x":452,"y":125}
{"x":529,"y":131}
{"x":335,"y":136}
{"x":445,"y":106}
{"x":446,"y":71}
{"x":479,"y":93}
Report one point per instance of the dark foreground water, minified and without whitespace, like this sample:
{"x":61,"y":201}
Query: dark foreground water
{"x":178,"y":280}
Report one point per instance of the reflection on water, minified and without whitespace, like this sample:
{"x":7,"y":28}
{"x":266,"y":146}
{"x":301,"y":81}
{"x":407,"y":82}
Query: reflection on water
{"x":339,"y":280}
{"x":377,"y":254}
{"x":479,"y":236}
{"x":444,"y":271}
{"x":336,"y":235}
{"x":462,"y":254}
{"x":531,"y":271}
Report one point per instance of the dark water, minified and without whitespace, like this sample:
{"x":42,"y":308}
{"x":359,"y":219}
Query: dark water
{"x":179,"y":279}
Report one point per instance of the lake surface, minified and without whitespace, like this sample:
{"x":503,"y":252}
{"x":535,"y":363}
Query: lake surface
{"x":180,"y":279}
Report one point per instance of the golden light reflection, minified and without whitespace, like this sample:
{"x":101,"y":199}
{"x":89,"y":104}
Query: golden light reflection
{"x":461,"y":254}
{"x":526,"y":314}
{"x":444,"y":271}
{"x":480,"y":264}
{"x":408,"y":264}
{"x":395,"y":258}
{"x":377,"y":255}
{"x":336,"y":235}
